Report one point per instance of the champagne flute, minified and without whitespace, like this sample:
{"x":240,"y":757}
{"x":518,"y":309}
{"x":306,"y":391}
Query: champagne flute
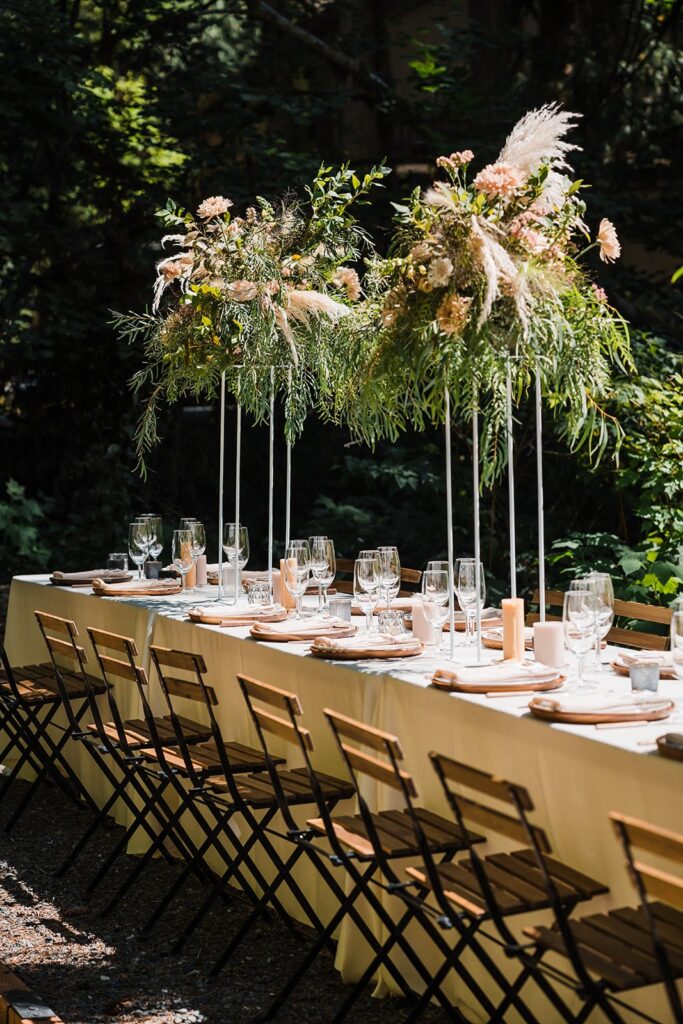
{"x":466,"y":590}
{"x":326,"y":575}
{"x":366,"y":583}
{"x":435,"y":594}
{"x":297,"y":571}
{"x":198,"y":534}
{"x":137,"y":544}
{"x":600,"y":584}
{"x":578,"y":617}
{"x":236,"y":551}
{"x":390,"y":572}
{"x":318,"y":562}
{"x":181,"y":552}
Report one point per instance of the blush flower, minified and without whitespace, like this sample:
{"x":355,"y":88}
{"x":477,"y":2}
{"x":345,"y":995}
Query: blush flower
{"x":599,"y":293}
{"x":347,"y":279}
{"x":214,"y":206}
{"x":610,"y":247}
{"x":499,"y":180}
{"x":455,"y":160}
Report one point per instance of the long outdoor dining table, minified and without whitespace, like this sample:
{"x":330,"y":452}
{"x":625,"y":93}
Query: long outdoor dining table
{"x":576,"y":775}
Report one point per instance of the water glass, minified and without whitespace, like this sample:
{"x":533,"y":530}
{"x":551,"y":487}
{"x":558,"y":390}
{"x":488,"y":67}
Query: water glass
{"x":297,"y":571}
{"x":390,"y":572}
{"x":578,"y":618}
{"x":392,"y":622}
{"x":181,"y":552}
{"x":466,"y":589}
{"x":117,"y":560}
{"x":366,"y":583}
{"x":137,"y":544}
{"x":259,"y":594}
{"x":435,"y":593}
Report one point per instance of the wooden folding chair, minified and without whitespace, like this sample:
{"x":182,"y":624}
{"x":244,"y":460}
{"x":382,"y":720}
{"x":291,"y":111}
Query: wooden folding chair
{"x":125,"y":742}
{"x":480,"y":891}
{"x":631,"y":611}
{"x":627,"y":949}
{"x":411,"y":577}
{"x":32,"y":697}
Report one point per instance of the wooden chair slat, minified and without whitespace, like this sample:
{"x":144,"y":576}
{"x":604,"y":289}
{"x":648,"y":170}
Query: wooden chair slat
{"x":636,"y":638}
{"x":66,"y":649}
{"x":379,"y":770}
{"x":116,"y":667}
{"x":635,"y":610}
{"x":365,"y":734}
{"x":642,"y":612}
{"x":282,"y":728}
{"x":56,"y":625}
{"x":662,"y":885}
{"x":656,"y":840}
{"x":473,"y":778}
{"x":502,"y":823}
{"x":190,"y":690}
{"x":346,"y":565}
{"x":183,"y":660}
{"x":114,"y":641}
{"x":272,"y":695}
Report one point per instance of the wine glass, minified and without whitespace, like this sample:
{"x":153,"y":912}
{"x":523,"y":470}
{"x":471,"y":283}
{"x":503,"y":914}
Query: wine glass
{"x":148,"y":532}
{"x":198,"y":538}
{"x":435,"y":594}
{"x":466,"y":590}
{"x":156,"y":531}
{"x":578,"y":617}
{"x":326,"y":575}
{"x":390,"y":572}
{"x":600,"y":584}
{"x":297,"y":571}
{"x":181,"y":552}
{"x":236,"y":550}
{"x":318,"y":562}
{"x":366,"y":584}
{"x":137,"y":544}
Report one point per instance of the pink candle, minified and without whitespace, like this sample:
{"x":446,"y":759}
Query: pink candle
{"x":549,"y":643}
{"x":513,"y":628}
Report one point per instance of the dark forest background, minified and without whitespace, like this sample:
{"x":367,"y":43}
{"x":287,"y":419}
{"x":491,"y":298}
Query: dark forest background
{"x":108,"y":108}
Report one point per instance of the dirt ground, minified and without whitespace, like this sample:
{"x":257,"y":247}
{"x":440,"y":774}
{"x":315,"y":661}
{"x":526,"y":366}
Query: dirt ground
{"x":95,"y":970}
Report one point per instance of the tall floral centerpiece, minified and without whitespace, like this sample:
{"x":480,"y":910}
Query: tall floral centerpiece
{"x":484,"y":280}
{"x":258,"y":296}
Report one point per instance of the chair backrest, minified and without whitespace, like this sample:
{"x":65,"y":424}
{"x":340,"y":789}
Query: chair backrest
{"x":181,"y":675}
{"x":411,"y":577}
{"x":113,"y":667}
{"x":641,"y":841}
{"x":66,"y":654}
{"x":634,"y":611}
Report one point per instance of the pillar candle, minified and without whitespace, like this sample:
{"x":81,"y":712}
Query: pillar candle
{"x":513,"y":628}
{"x":422,"y":629}
{"x":190,"y":578}
{"x":280,"y":593}
{"x":201,"y":571}
{"x":549,"y":643}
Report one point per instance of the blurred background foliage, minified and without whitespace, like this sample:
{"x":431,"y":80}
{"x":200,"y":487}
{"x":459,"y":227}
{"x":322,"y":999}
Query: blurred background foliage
{"x":110,"y":107}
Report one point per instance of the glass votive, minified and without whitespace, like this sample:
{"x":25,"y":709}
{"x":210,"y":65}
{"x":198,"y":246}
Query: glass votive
{"x":258,"y":593}
{"x":644,"y":677}
{"x":391,"y":621}
{"x":152,"y":570}
{"x":340,"y":607}
{"x":117,"y":560}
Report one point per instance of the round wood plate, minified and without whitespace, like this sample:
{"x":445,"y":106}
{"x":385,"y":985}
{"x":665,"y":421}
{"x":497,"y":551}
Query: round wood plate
{"x":246,"y":620}
{"x":668,"y":749}
{"x":575,"y":718}
{"x":622,"y":670}
{"x":453,"y":687}
{"x":286,"y":638}
{"x":496,"y":644}
{"x":362,"y":655}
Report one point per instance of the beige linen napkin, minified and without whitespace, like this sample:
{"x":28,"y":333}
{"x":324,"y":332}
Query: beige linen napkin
{"x":497,"y":673}
{"x":662,"y":658}
{"x":303,"y":629}
{"x":603,"y":703}
{"x":85,"y":579}
{"x":403,"y":604}
{"x":373,"y":642}
{"x":218,"y":615}
{"x":137,"y":588}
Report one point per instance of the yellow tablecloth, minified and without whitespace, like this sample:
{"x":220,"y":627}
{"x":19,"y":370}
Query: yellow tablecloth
{"x":575,"y":774}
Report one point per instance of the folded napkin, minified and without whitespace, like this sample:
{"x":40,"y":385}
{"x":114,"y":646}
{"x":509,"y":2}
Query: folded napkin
{"x":403,"y":604}
{"x":137,"y":588}
{"x":217,"y":615}
{"x":495,"y":635}
{"x":603,"y":703}
{"x":74,"y":579}
{"x":374,"y":642}
{"x":303,"y":629}
{"x":662,"y":658}
{"x":498,"y":673}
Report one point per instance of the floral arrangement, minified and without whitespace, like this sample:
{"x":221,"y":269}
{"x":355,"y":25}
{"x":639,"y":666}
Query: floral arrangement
{"x":484,"y":278}
{"x":270,"y":291}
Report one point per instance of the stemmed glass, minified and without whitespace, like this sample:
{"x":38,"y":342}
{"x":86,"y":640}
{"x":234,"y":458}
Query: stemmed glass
{"x":325,"y":576}
{"x":198,"y":535}
{"x":435,"y":593}
{"x":366,"y":584}
{"x":600,"y":584}
{"x":181,"y":552}
{"x":236,"y":550}
{"x":578,"y":617}
{"x":390,"y":572}
{"x":297,"y":571}
{"x":318,"y":563}
{"x":157,"y":545}
{"x":137,"y":544}
{"x":466,"y":590}
{"x":677,"y":651}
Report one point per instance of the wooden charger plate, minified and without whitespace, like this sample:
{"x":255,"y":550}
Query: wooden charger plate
{"x":273,"y":636}
{"x":665,"y":672}
{"x":667,"y":748}
{"x":453,"y":687}
{"x":359,"y":653}
{"x":496,"y":644}
{"x":595,"y":718}
{"x":219,"y":620}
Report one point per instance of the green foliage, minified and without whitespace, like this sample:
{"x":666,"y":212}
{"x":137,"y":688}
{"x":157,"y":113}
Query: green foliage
{"x":22,"y":528}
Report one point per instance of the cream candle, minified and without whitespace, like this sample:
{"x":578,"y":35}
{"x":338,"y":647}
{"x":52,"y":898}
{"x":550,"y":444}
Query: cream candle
{"x":201,"y":571}
{"x":513,"y":628}
{"x":549,"y":643}
{"x":422,"y":629}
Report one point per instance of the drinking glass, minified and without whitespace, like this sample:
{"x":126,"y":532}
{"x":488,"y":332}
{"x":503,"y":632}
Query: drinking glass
{"x":390,"y":572}
{"x":137,"y":544}
{"x":325,"y":576}
{"x":366,"y":584}
{"x":600,"y":584}
{"x":578,"y":617}
{"x":157,"y":545}
{"x":181,"y":552}
{"x":297,"y":571}
{"x":318,"y":563}
{"x":148,"y":533}
{"x":374,"y":554}
{"x":236,"y":551}
{"x":677,"y":637}
{"x":198,"y":538}
{"x":435,"y":593}
{"x":466,"y":590}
